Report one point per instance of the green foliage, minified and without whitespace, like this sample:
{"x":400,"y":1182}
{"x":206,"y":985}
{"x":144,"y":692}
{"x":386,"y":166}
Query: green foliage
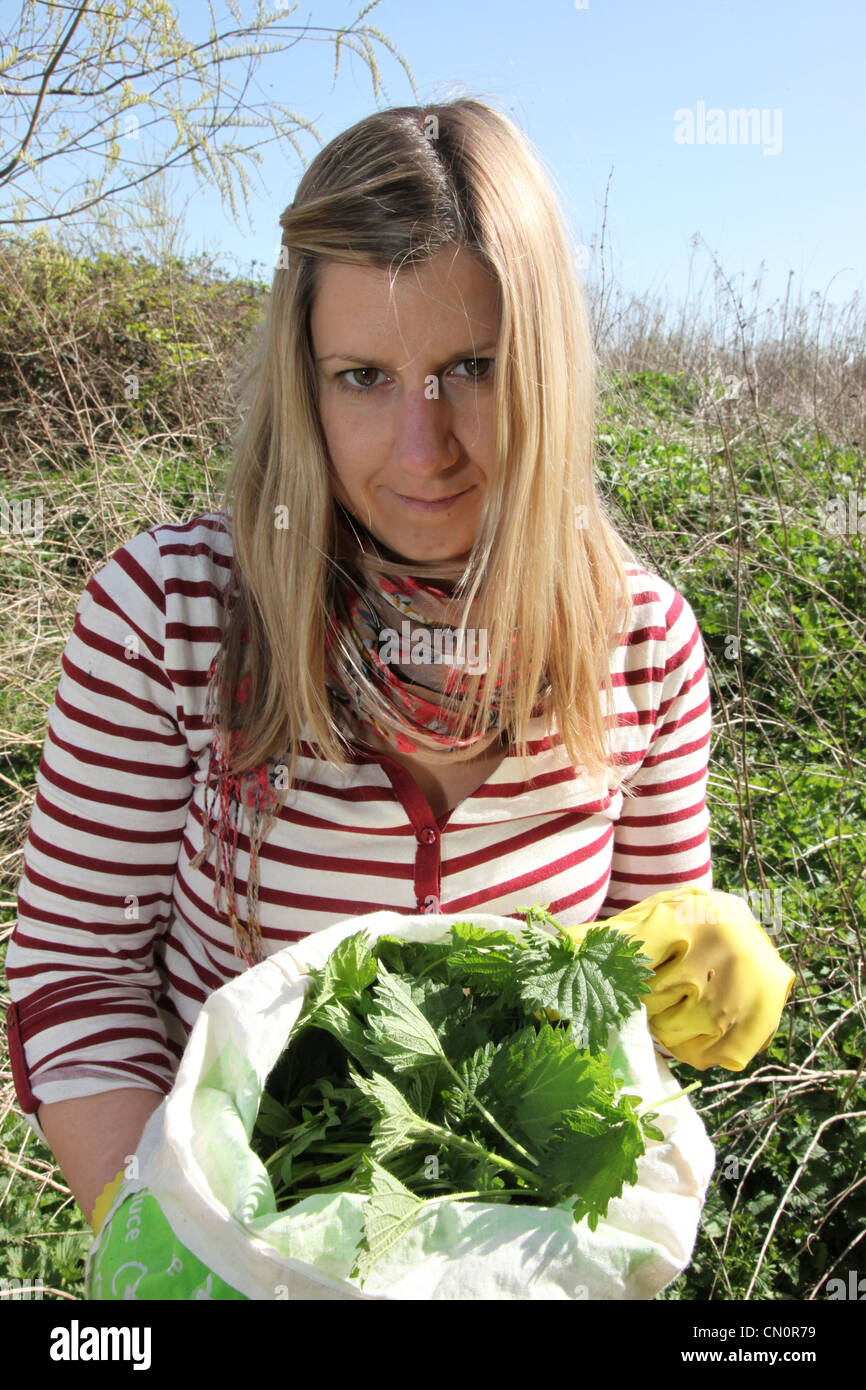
{"x":145,"y":346}
{"x":458,"y":1062}
{"x":780,"y":601}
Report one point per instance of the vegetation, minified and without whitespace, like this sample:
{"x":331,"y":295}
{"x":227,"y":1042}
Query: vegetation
{"x":722,"y":450}
{"x":156,"y":101}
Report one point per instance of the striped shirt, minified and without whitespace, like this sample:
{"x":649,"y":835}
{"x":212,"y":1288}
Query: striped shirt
{"x":118,"y":944}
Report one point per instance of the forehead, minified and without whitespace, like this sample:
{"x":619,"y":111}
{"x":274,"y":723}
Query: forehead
{"x":441,"y":294}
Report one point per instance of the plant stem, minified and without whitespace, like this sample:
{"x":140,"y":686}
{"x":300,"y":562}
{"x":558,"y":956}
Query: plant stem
{"x":460,"y":1196}
{"x":654,"y":1105}
{"x":307,"y":1192}
{"x":447,"y":1137}
{"x":273,"y":1159}
{"x":491,"y":1119}
{"x":432,"y":966}
{"x":322,"y":1146}
{"x":329,"y":1170}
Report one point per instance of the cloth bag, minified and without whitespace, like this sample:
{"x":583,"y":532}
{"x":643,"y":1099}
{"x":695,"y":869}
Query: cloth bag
{"x":199,"y":1219}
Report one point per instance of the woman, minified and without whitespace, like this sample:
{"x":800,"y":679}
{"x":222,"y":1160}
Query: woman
{"x":231,"y":760}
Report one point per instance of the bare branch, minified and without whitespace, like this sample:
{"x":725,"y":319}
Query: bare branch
{"x":72,"y":85}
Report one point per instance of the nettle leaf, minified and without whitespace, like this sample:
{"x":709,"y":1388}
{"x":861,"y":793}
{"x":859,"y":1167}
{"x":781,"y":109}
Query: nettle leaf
{"x":343,"y":979}
{"x":651,"y":1130}
{"x":397,"y":1126}
{"x":390,"y":1211}
{"x":342,"y":1024}
{"x":312,"y":1127}
{"x":473,"y":1072}
{"x":349,"y":969}
{"x":465,"y":934}
{"x":494,"y":962}
{"x":594,"y":1160}
{"x":438,"y":1002}
{"x":488,"y":1019}
{"x":537,"y":1076}
{"x":393,"y":952}
{"x":420,"y":1088}
{"x":428,"y":959}
{"x":410,"y":958}
{"x":596,"y":987}
{"x":465,"y":1172}
{"x":398,"y":1029}
{"x":490,"y":971}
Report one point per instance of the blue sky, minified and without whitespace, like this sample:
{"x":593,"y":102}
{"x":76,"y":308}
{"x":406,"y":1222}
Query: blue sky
{"x":597,"y":90}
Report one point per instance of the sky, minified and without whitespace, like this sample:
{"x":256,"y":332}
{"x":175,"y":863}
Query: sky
{"x":621,"y":98}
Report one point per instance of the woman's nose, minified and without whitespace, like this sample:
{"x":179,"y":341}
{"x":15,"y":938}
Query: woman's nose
{"x":424,"y":439}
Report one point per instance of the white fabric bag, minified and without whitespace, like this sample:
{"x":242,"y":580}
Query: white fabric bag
{"x":195,"y":1159}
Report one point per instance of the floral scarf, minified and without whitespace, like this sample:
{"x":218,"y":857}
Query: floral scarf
{"x":394,"y":655}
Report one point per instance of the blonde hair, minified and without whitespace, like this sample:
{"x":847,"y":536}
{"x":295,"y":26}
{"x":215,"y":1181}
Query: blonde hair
{"x":394,"y":189}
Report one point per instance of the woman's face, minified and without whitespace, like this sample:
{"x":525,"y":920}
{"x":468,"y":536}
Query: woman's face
{"x":406,"y":397}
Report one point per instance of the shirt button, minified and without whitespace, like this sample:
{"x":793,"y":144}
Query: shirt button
{"x":428,"y":835}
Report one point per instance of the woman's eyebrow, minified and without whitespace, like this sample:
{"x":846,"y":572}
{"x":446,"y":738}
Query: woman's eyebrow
{"x":462,"y":355}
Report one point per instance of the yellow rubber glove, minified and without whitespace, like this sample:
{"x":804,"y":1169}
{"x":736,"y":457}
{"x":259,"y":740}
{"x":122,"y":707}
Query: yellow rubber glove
{"x":719,"y":986}
{"x":104,"y":1201}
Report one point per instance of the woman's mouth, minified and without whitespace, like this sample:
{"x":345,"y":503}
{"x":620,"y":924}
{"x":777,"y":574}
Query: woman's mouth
{"x":441,"y":506}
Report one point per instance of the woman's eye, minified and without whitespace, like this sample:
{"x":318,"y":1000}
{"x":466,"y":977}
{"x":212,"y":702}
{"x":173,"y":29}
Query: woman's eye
{"x":356,"y":371}
{"x":476,"y":361}
{"x":363,"y":388}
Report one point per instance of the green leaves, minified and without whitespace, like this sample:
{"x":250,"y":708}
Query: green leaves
{"x":596,"y":986}
{"x":543,"y":1075}
{"x":397,"y":1125}
{"x":345,"y":1026}
{"x":594,"y":1158}
{"x":441,"y":1065}
{"x":399,"y":1030}
{"x":391,"y":1210}
{"x":472,"y":1071}
{"x":564,"y":1103}
{"x":488,"y":971}
{"x":347,"y":972}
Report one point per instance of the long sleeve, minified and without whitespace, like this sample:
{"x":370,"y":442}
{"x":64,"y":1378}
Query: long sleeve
{"x":661,"y":839}
{"x":113,"y":787}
